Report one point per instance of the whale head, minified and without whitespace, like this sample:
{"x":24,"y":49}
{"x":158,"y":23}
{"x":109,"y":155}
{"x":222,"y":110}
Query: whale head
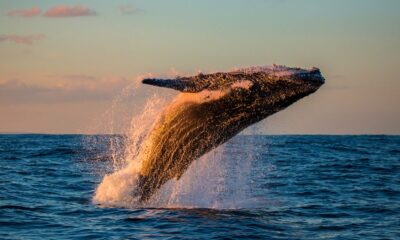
{"x":280,"y":83}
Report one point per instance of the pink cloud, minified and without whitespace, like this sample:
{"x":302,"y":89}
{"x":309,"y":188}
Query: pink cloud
{"x":32,"y":12}
{"x":69,"y":11}
{"x":20,"y":39}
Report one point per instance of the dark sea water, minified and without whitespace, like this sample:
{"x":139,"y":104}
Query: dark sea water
{"x":302,"y":187}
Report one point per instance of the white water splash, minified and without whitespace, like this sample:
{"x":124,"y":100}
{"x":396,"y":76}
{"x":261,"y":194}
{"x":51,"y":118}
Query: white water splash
{"x":116,"y":188}
{"x":216,"y":180}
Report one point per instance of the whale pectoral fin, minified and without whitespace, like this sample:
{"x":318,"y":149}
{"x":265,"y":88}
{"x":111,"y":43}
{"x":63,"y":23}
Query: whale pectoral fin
{"x":180,"y":84}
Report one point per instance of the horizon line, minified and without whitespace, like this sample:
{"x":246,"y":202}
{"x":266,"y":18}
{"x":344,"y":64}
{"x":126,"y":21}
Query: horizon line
{"x":256,"y":134}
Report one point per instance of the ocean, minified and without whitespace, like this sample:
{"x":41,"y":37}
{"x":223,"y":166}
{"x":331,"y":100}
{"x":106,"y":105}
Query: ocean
{"x":254,"y":187}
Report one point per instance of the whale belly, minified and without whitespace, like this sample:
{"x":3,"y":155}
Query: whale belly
{"x":183,"y":135}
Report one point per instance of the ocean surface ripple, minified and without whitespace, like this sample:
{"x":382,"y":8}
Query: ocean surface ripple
{"x":300,"y":187}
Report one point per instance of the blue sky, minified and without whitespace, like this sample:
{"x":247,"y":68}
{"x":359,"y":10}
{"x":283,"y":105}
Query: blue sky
{"x":74,"y":66}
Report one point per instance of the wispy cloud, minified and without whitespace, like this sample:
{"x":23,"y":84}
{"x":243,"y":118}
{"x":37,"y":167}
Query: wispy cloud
{"x":32,"y":12}
{"x":69,"y":11}
{"x":21,"y":39}
{"x":88,"y":88}
{"x":59,"y":11}
{"x":80,"y":77}
{"x":128,"y":9}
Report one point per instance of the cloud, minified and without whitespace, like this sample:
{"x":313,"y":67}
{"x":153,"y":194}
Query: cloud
{"x":21,"y":39}
{"x":67,"y":89}
{"x":127,"y":9}
{"x":56,"y":12}
{"x":32,"y":12}
{"x":69,"y":11}
{"x":74,"y":77}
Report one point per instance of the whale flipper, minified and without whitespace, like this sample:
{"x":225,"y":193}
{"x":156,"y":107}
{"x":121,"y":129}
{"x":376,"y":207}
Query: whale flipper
{"x":180,"y":84}
{"x":197,"y":83}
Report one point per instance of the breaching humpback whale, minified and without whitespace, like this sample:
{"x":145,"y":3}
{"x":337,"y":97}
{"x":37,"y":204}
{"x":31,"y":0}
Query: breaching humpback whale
{"x":211,"y":109}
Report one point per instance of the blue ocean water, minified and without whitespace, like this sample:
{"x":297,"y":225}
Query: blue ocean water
{"x":312,"y":187}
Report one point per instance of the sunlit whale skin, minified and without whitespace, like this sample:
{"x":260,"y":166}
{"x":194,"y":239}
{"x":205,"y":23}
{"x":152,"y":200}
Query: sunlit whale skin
{"x":212,"y":109}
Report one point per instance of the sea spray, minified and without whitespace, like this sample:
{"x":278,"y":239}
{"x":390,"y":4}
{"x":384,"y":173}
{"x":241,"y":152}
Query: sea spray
{"x":213,"y":181}
{"x":116,"y":188}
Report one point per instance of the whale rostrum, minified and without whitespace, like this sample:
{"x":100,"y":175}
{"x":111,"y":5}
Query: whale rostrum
{"x":211,"y":109}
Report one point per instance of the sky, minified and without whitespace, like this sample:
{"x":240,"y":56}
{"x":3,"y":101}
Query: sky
{"x":64,"y":63}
